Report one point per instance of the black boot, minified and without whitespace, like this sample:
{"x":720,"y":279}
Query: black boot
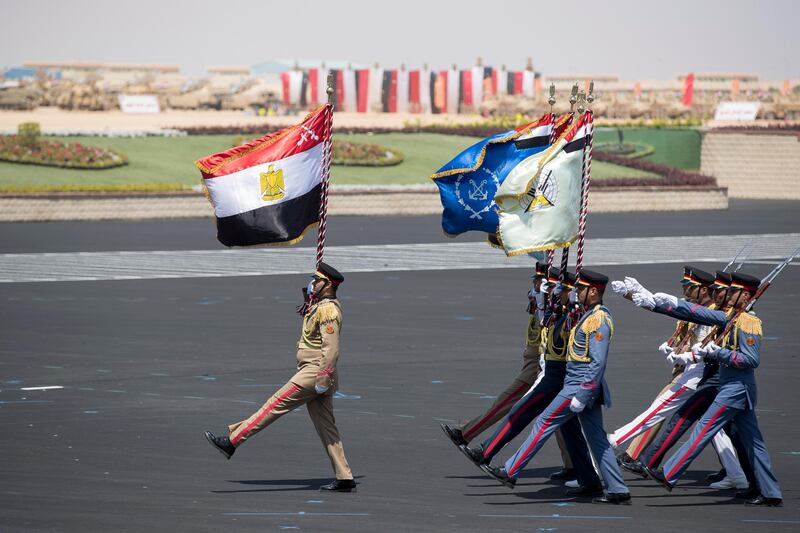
{"x":716,"y":476}
{"x":634,"y":466}
{"x":765,"y":502}
{"x":223,"y":444}
{"x":616,"y":498}
{"x":455,"y":435}
{"x":564,"y":473}
{"x":474,"y":454}
{"x":748,"y":494}
{"x":658,"y":477}
{"x":585,"y":492}
{"x":500,"y":475}
{"x":340,"y":485}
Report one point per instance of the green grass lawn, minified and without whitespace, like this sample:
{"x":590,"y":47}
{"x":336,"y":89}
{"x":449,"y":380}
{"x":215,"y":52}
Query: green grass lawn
{"x":171,"y":160}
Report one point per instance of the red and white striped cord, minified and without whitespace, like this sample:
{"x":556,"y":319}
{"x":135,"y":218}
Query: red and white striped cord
{"x":326,"y":174}
{"x":587,"y":174}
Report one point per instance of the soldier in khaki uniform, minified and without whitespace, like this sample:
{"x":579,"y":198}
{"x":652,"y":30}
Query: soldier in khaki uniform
{"x":528,"y":375}
{"x":313,"y":385}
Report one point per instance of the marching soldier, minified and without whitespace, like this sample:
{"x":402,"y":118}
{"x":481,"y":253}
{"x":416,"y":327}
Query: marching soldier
{"x":530,"y":370}
{"x":313,"y":385}
{"x":584,"y":393}
{"x":550,"y":382}
{"x":738,"y":358}
{"x":696,"y":285}
{"x":737,"y":469}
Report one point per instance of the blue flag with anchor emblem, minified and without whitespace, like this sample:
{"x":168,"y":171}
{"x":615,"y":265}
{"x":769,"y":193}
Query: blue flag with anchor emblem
{"x":468,"y":183}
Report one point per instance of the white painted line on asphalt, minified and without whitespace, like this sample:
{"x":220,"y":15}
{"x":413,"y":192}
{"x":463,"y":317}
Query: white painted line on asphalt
{"x":129,"y":265}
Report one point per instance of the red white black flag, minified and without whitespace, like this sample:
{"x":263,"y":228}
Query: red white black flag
{"x":268,"y":190}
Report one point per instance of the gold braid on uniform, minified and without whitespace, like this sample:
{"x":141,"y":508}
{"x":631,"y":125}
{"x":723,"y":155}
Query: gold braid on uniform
{"x":327,"y":312}
{"x":749,"y":324}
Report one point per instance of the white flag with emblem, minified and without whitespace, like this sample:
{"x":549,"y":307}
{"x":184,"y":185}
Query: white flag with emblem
{"x":539,"y":206}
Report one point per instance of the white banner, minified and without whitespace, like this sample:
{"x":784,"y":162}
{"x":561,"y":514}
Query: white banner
{"x":735,"y":111}
{"x":139,"y":103}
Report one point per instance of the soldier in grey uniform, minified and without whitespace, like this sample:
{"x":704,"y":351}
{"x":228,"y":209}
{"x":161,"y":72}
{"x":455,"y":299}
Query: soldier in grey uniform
{"x":584,"y":393}
{"x":738,"y":357}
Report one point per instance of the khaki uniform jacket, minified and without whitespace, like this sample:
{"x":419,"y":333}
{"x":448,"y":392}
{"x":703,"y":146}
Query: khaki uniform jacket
{"x":318,"y":347}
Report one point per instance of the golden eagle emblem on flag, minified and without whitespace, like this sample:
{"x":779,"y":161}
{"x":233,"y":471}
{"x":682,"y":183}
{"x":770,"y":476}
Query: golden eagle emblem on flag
{"x":272,"y":184}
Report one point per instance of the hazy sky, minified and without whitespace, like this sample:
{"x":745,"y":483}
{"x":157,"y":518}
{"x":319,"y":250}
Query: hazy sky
{"x":634,"y":39}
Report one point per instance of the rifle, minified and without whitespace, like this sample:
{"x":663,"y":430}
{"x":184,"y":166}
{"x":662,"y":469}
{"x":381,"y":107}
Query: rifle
{"x":765,"y":284}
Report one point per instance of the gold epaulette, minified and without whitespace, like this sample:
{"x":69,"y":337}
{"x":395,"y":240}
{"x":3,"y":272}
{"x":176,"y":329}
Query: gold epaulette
{"x":594,"y":321}
{"x":749,"y":324}
{"x":327,"y":311}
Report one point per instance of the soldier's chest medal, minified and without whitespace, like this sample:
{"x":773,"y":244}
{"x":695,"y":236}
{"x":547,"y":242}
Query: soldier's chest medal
{"x":272,"y":184}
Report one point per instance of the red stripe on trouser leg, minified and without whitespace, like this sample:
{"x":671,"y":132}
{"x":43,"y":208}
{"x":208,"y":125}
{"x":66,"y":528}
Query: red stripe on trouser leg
{"x":469,"y":434}
{"x":695,"y":443}
{"x":537,"y":437}
{"x":260,"y":417}
{"x":511,"y":420}
{"x":651,"y":415}
{"x":666,"y":444}
{"x":643,"y":438}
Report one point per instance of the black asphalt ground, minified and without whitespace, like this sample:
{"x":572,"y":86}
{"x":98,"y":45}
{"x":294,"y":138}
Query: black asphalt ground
{"x":146,"y":366}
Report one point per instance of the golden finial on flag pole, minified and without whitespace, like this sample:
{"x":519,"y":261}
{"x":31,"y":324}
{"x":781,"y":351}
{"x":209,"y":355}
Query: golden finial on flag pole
{"x":573,"y":97}
{"x":329,"y":89}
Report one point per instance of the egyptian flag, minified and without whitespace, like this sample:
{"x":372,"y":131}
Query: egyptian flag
{"x":268,"y":190}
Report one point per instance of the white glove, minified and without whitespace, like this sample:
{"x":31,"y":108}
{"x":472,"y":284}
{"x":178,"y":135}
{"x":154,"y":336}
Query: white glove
{"x":643,"y":298}
{"x":575,"y":405}
{"x":663,"y":298}
{"x":619,"y":287}
{"x":666,"y":349}
{"x":320,"y":390}
{"x":633,"y":285}
{"x":539,"y":299}
{"x":685,"y":358}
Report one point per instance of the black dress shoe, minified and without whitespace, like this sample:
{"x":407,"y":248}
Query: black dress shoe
{"x":585,"y":492}
{"x":615,"y":498}
{"x":223,"y":444}
{"x":634,"y":466}
{"x":455,"y":435}
{"x":500,"y":475}
{"x":340,"y":485}
{"x":564,"y":473}
{"x":657,"y":476}
{"x":474,"y":454}
{"x":748,"y":494}
{"x":716,"y":476}
{"x":765,"y":502}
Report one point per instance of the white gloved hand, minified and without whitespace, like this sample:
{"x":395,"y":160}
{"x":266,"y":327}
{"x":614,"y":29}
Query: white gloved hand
{"x":662,"y":298}
{"x":539,"y":299}
{"x":619,"y":287}
{"x":665,"y":349}
{"x":633,"y":284}
{"x":576,"y":406}
{"x":643,"y":298}
{"x":685,"y":358}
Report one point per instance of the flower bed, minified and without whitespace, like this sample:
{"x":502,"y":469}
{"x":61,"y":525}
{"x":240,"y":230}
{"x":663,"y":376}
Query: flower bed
{"x":364,"y":155}
{"x":668,"y":176}
{"x":37,"y":151}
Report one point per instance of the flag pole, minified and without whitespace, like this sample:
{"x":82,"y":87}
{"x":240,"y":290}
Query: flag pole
{"x":326,"y":172}
{"x":587,"y":174}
